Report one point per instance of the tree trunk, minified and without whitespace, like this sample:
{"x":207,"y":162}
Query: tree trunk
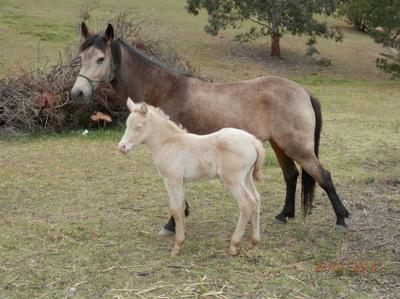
{"x":275,"y":35}
{"x":275,"y":47}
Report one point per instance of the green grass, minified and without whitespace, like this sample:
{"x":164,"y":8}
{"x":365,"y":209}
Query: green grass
{"x":79,"y":220}
{"x":76,"y":214}
{"x":35,"y":27}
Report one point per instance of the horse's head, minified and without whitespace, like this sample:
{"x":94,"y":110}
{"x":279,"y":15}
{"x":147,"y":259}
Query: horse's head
{"x":137,"y":126}
{"x":97,"y":63}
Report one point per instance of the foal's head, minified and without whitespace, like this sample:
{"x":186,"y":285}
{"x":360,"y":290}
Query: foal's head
{"x":137,"y":128}
{"x":97,"y":63}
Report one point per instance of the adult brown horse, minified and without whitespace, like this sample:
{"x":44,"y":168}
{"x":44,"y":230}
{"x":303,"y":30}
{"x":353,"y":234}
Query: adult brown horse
{"x":271,"y":108}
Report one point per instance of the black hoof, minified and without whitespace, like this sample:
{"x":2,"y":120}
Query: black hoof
{"x":341,"y":226}
{"x":280,"y":219}
{"x":340,"y":220}
{"x":340,"y":229}
{"x":170,"y":226}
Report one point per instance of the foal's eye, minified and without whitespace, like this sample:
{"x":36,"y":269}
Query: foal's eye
{"x":100,"y":60}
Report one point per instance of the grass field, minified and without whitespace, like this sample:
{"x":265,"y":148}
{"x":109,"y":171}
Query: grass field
{"x":79,"y":220}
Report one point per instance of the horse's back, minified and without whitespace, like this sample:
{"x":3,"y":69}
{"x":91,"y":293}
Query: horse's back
{"x":260,"y":106}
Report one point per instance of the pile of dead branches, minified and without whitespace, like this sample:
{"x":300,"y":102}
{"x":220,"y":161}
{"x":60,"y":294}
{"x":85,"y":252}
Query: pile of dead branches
{"x":32,"y":101}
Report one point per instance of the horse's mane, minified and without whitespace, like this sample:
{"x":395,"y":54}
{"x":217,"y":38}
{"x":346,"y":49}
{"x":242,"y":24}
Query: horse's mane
{"x":98,"y":41}
{"x":171,"y":123}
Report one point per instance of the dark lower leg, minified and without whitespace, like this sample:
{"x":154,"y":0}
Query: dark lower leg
{"x":289,"y":207}
{"x":314,"y":168}
{"x":340,"y":211}
{"x":170,"y":225}
{"x":290,"y":174}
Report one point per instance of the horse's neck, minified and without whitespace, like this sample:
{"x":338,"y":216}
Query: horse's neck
{"x":162,"y":134}
{"x":143,"y":81}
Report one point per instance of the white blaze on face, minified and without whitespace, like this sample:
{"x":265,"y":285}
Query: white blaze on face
{"x":96,"y":65}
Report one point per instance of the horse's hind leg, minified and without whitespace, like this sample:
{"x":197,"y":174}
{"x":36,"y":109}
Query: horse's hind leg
{"x":314,"y":168}
{"x":290,"y":174}
{"x":255,"y":236}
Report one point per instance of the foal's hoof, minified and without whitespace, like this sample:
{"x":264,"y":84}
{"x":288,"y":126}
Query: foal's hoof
{"x":165,"y":232}
{"x":232,"y":250}
{"x":254,"y":241}
{"x":340,"y":229}
{"x":175,"y":252}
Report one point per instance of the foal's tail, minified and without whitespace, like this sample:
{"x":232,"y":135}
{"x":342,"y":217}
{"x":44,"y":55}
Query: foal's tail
{"x":260,"y":159}
{"x":307,"y":182}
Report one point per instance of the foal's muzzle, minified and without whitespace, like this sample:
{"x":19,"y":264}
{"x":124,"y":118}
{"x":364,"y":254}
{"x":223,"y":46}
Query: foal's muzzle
{"x":123,"y":148}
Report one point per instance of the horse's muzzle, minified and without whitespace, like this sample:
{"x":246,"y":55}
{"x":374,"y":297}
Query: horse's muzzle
{"x":78,"y":96}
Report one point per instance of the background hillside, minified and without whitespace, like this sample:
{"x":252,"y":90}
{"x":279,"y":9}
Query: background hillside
{"x":34,"y":32}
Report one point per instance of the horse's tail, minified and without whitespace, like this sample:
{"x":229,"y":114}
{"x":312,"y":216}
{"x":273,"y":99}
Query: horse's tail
{"x":307,"y":182}
{"x":260,"y":159}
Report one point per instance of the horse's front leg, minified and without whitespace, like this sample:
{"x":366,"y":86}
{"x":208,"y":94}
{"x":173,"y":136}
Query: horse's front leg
{"x":177,"y":207}
{"x":169,"y":227}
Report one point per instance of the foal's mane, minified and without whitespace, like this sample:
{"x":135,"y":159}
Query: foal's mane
{"x":170,"y":123}
{"x":99,"y":41}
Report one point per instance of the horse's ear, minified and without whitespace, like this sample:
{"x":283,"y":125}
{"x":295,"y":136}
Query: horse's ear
{"x":109,"y":34}
{"x":130,"y":104}
{"x":84,"y":32}
{"x":143,"y":109}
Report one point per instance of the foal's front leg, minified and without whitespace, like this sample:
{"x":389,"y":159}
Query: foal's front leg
{"x":177,"y":207}
{"x":169,"y":227}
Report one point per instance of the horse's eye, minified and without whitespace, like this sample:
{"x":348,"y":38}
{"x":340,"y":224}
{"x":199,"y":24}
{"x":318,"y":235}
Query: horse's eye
{"x":78,"y":60}
{"x":100,"y":60}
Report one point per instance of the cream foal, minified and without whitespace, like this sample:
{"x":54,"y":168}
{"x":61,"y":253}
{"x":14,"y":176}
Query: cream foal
{"x":234,"y":155}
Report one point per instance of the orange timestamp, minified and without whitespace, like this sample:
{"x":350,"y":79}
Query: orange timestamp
{"x":364,"y":266}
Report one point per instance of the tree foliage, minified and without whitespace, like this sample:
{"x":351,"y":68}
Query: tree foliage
{"x":385,"y":14}
{"x":353,"y":11}
{"x":381,"y":19}
{"x":272,"y":18}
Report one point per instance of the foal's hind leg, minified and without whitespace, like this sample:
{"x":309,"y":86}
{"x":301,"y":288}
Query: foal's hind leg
{"x":290,"y":174}
{"x":255,"y":236}
{"x":246,"y":203}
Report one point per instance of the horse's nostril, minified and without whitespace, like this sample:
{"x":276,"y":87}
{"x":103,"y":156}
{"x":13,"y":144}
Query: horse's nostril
{"x":78,"y":95}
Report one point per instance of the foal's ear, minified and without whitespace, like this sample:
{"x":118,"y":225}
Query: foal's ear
{"x":130,"y":104}
{"x":109,"y":34}
{"x":84,"y":32}
{"x":143,"y":109}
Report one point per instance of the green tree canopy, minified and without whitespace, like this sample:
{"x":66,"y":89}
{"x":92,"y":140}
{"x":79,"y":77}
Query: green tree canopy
{"x":271,"y":18}
{"x":385,"y":14}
